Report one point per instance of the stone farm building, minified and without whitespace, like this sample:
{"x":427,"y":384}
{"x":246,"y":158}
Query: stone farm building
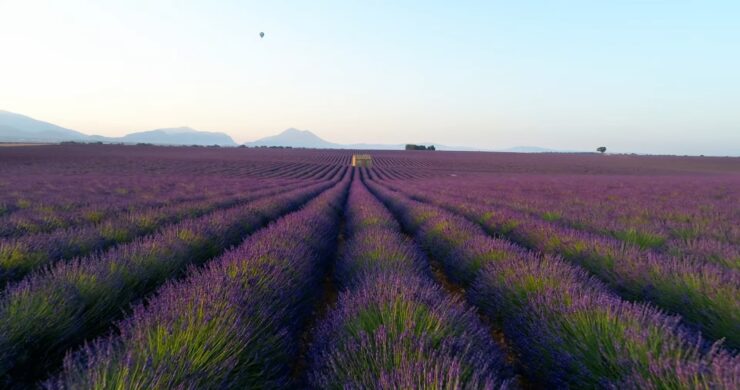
{"x":362,"y":160}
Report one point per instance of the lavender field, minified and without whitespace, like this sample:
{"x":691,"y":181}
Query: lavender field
{"x":143,"y":267}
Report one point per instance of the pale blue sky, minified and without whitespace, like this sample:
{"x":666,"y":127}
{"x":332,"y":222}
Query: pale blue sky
{"x":654,"y":76}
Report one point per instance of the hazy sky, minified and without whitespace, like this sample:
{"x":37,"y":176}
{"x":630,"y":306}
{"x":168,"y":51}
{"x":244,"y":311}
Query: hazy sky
{"x":660,"y":76}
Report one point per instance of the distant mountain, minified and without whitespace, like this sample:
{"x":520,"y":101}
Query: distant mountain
{"x":295,"y":138}
{"x":20,"y":128}
{"x":178,"y":136}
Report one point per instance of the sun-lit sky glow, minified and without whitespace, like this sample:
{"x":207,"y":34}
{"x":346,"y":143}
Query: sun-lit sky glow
{"x":646,"y":76}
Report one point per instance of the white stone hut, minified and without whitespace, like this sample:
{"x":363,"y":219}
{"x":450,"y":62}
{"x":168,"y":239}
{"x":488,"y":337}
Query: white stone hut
{"x":362,"y":160}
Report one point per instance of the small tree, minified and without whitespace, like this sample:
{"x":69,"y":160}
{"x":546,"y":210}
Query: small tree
{"x":431,"y":147}
{"x":601,"y":149}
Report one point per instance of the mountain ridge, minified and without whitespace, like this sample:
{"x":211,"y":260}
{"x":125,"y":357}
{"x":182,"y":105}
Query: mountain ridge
{"x":179,"y":136}
{"x":296,"y":138}
{"x":20,"y":128}
{"x":25,"y":128}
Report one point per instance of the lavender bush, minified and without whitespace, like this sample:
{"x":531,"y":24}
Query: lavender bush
{"x":53,"y":310}
{"x":569,"y":329}
{"x":393,"y":327}
{"x":233,"y":324}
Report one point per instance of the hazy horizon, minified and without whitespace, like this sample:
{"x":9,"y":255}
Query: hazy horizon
{"x":636,"y":76}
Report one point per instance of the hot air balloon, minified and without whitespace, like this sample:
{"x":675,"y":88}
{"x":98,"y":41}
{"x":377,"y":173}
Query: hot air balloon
{"x":262,"y":35}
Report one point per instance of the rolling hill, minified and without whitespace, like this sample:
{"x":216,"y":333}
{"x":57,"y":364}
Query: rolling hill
{"x":295,"y":138}
{"x":20,"y":128}
{"x":179,"y":136}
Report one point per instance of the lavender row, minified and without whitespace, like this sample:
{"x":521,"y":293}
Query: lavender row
{"x":706,"y":295}
{"x":64,"y":179}
{"x":233,"y":324}
{"x":55,"y":309}
{"x":393,"y":327}
{"x":44,"y":219}
{"x":569,"y":329}
{"x":54,"y":162}
{"x":650,"y":213}
{"x":22,"y":191}
{"x":43,"y":206}
{"x":20,"y":256}
{"x":128,"y":198}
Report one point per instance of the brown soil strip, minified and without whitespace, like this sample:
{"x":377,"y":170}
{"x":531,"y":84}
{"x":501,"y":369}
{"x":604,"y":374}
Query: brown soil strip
{"x":327,"y":300}
{"x":497,"y":334}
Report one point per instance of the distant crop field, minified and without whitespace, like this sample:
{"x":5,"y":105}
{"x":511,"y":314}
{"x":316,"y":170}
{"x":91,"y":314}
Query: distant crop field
{"x":142,"y":267}
{"x":11,"y":144}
